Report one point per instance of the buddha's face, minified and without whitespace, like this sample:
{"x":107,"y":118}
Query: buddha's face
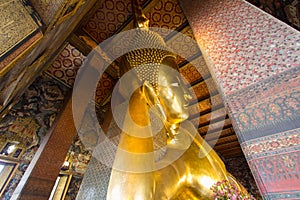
{"x":173,"y":95}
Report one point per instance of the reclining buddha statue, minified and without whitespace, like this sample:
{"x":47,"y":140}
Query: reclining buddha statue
{"x":185,"y":166}
{"x":160,"y":155}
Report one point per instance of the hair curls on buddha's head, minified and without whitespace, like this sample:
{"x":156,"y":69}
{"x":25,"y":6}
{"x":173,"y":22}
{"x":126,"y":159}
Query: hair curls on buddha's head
{"x":149,"y":52}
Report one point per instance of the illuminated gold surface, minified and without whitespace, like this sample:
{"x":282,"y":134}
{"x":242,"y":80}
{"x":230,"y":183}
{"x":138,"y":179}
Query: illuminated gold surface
{"x":196,"y":170}
{"x":190,"y":176}
{"x":127,"y":185}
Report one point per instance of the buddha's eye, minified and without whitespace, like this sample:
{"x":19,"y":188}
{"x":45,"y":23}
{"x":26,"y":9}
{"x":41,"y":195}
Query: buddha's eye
{"x":175,"y":84}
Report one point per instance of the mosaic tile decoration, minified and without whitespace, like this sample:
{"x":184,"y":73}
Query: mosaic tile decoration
{"x":242,"y":50}
{"x":36,"y":110}
{"x":280,"y":175}
{"x":95,"y":182}
{"x":66,"y":65}
{"x":275,"y":160}
{"x":270,"y":145}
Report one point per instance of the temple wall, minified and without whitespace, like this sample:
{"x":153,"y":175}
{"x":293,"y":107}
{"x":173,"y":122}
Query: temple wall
{"x":29,"y":121}
{"x":254,"y":59}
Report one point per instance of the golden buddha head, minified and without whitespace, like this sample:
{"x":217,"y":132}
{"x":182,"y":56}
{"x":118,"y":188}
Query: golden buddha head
{"x":157,"y":65}
{"x":173,"y":95}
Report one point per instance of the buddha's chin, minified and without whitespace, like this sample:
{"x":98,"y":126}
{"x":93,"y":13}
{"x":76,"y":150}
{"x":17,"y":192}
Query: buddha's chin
{"x":184,"y":116}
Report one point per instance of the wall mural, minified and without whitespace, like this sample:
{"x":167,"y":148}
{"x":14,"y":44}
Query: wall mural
{"x":78,"y":157}
{"x":27,"y":56}
{"x":73,"y":188}
{"x":29,"y":120}
{"x":74,"y":167}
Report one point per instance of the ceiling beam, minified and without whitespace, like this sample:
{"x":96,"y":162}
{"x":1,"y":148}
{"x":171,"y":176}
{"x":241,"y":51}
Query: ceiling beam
{"x":213,"y":116}
{"x":213,"y":127}
{"x":79,"y":44}
{"x":236,"y":152}
{"x":223,"y":140}
{"x":224,"y":133}
{"x":228,"y":145}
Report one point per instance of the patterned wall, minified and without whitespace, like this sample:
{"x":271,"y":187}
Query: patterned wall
{"x":186,"y":44}
{"x":65,"y":68}
{"x":112,"y":14}
{"x":73,"y":188}
{"x":256,"y":64}
{"x":194,"y":72}
{"x":104,"y":88}
{"x":36,"y":110}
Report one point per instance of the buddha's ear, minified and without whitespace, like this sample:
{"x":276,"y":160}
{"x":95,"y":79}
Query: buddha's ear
{"x":152,"y":99}
{"x":149,"y":93}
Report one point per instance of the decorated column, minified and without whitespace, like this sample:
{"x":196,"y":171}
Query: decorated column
{"x":255,"y":60}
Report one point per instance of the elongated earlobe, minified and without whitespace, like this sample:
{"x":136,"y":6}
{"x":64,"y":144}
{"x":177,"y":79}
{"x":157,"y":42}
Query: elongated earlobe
{"x":152,"y":98}
{"x":149,"y":93}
